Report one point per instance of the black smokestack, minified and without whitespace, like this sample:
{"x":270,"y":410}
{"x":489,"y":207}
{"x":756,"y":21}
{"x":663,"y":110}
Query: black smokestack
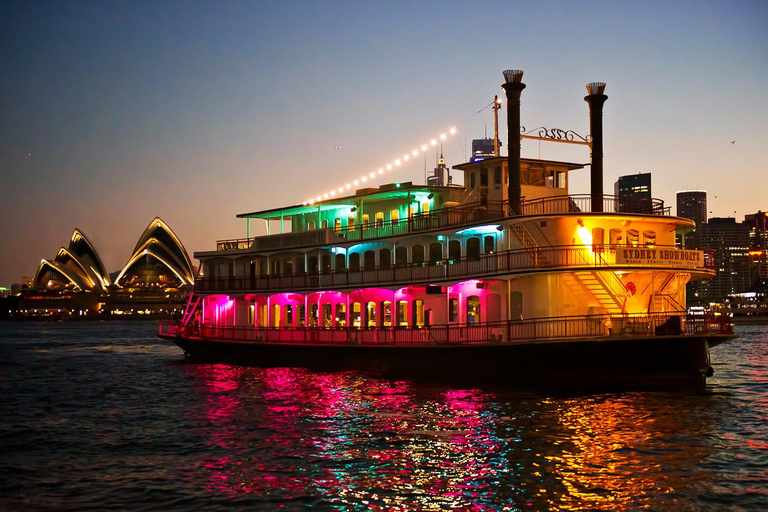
{"x":596,"y":98}
{"x":513,"y":86}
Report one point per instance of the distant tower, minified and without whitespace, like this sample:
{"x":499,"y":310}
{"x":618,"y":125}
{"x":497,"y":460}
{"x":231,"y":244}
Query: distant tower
{"x":692,"y":204}
{"x":482,"y":149}
{"x":441,"y":176}
{"x":634,"y":193}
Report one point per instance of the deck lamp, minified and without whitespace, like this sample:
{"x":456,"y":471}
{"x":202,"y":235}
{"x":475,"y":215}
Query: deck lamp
{"x":513,"y":87}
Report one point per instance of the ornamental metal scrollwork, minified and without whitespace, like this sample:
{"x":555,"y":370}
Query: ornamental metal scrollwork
{"x":556,"y":134}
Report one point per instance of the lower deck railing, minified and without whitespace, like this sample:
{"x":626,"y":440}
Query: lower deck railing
{"x":495,"y":332}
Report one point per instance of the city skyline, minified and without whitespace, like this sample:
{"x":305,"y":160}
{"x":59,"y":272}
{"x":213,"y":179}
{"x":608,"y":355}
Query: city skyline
{"x":115,"y":113}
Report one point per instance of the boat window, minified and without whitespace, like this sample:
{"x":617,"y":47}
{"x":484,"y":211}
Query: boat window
{"x":410,"y":211}
{"x":252,"y":314}
{"x":649,"y":238}
{"x":435,"y":252}
{"x":402,"y":313}
{"x":379,"y":220}
{"x":300,"y":264}
{"x":276,"y":315}
{"x":365,"y":220}
{"x":341,"y":315}
{"x":262,"y":268}
{"x":561,"y":179}
{"x":615,"y":237}
{"x":401,"y":256}
{"x":472,"y":182}
{"x":497,"y":175}
{"x":313,"y":268}
{"x":489,"y":243}
{"x":369,"y":260}
{"x":263,"y":315}
{"x":473,"y":309}
{"x":276,"y":267}
{"x":454,"y":251}
{"x":633,"y":237}
{"x":473,"y":248}
{"x":598,"y":239}
{"x":425,"y":207}
{"x":417,"y":253}
{"x":394,"y":216}
{"x":324,"y":224}
{"x":350,"y":223}
{"x":300,"y":310}
{"x":311,"y":225}
{"x":355,"y":315}
{"x":385,"y":258}
{"x":340,"y":262}
{"x":386,"y":313}
{"x":326,"y":263}
{"x":313,"y":315}
{"x":354,"y":262}
{"x":288,"y":266}
{"x":370,"y":314}
{"x":288,"y":315}
{"x":337,"y":224}
{"x":453,"y":310}
{"x":483,"y":177}
{"x":327,"y":317}
{"x":418,"y":313}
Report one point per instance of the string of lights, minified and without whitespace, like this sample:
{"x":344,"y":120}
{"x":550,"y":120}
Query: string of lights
{"x":386,"y":168}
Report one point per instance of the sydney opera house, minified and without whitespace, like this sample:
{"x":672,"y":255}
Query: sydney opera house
{"x":155,"y":280}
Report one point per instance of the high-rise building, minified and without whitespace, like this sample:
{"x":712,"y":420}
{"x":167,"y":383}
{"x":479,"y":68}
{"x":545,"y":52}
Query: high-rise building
{"x":729,"y":241}
{"x":758,"y":249}
{"x":634,"y":193}
{"x":692,"y":204}
{"x":482,"y":149}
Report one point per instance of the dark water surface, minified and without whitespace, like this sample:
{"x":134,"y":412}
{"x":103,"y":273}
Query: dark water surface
{"x":97,"y":416}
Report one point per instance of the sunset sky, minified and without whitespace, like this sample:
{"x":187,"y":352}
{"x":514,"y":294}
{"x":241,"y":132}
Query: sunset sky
{"x":113,"y":113}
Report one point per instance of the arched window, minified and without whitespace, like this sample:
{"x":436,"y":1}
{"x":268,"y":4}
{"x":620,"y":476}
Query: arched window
{"x":379,"y":220}
{"x":489,"y":244}
{"x":402,"y":313}
{"x":473,"y":309}
{"x":435,"y":252}
{"x":385,"y":258}
{"x":633,"y":237}
{"x":417,"y":254}
{"x":401,"y":256}
{"x":473,"y":248}
{"x":340,"y":262}
{"x":354,"y":262}
{"x":337,"y":224}
{"x":649,"y":238}
{"x":355,"y":319}
{"x":418,"y":313}
{"x":324,"y":223}
{"x":366,"y":220}
{"x":288,"y":266}
{"x":276,"y":315}
{"x":350,"y":223}
{"x":394,"y":216}
{"x":327,"y":315}
{"x":311,"y":225}
{"x":615,"y":237}
{"x":386,"y":313}
{"x":341,"y":315}
{"x":275,"y":267}
{"x":454,"y":251}
{"x":369,"y":260}
{"x":313,"y":268}
{"x":370,"y":314}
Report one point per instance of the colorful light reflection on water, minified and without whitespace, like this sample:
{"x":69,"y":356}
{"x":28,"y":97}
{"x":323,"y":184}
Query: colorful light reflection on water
{"x":372,"y":444}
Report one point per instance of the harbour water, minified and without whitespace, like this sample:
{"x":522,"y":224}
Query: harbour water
{"x":105,"y":416}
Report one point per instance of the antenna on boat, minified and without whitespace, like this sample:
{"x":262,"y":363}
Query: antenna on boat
{"x":496,"y":107}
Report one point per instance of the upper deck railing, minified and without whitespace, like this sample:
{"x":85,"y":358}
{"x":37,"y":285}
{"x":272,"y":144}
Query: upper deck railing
{"x":478,"y":212}
{"x":486,"y":265}
{"x":512,"y":331}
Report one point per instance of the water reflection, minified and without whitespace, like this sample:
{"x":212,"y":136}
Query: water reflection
{"x":362,"y":443}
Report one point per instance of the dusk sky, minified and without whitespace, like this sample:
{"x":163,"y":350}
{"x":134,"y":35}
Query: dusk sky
{"x":116,"y":112}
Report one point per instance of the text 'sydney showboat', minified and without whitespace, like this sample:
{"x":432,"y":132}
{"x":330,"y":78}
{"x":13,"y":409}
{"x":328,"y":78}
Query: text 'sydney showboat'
{"x":508,"y":278}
